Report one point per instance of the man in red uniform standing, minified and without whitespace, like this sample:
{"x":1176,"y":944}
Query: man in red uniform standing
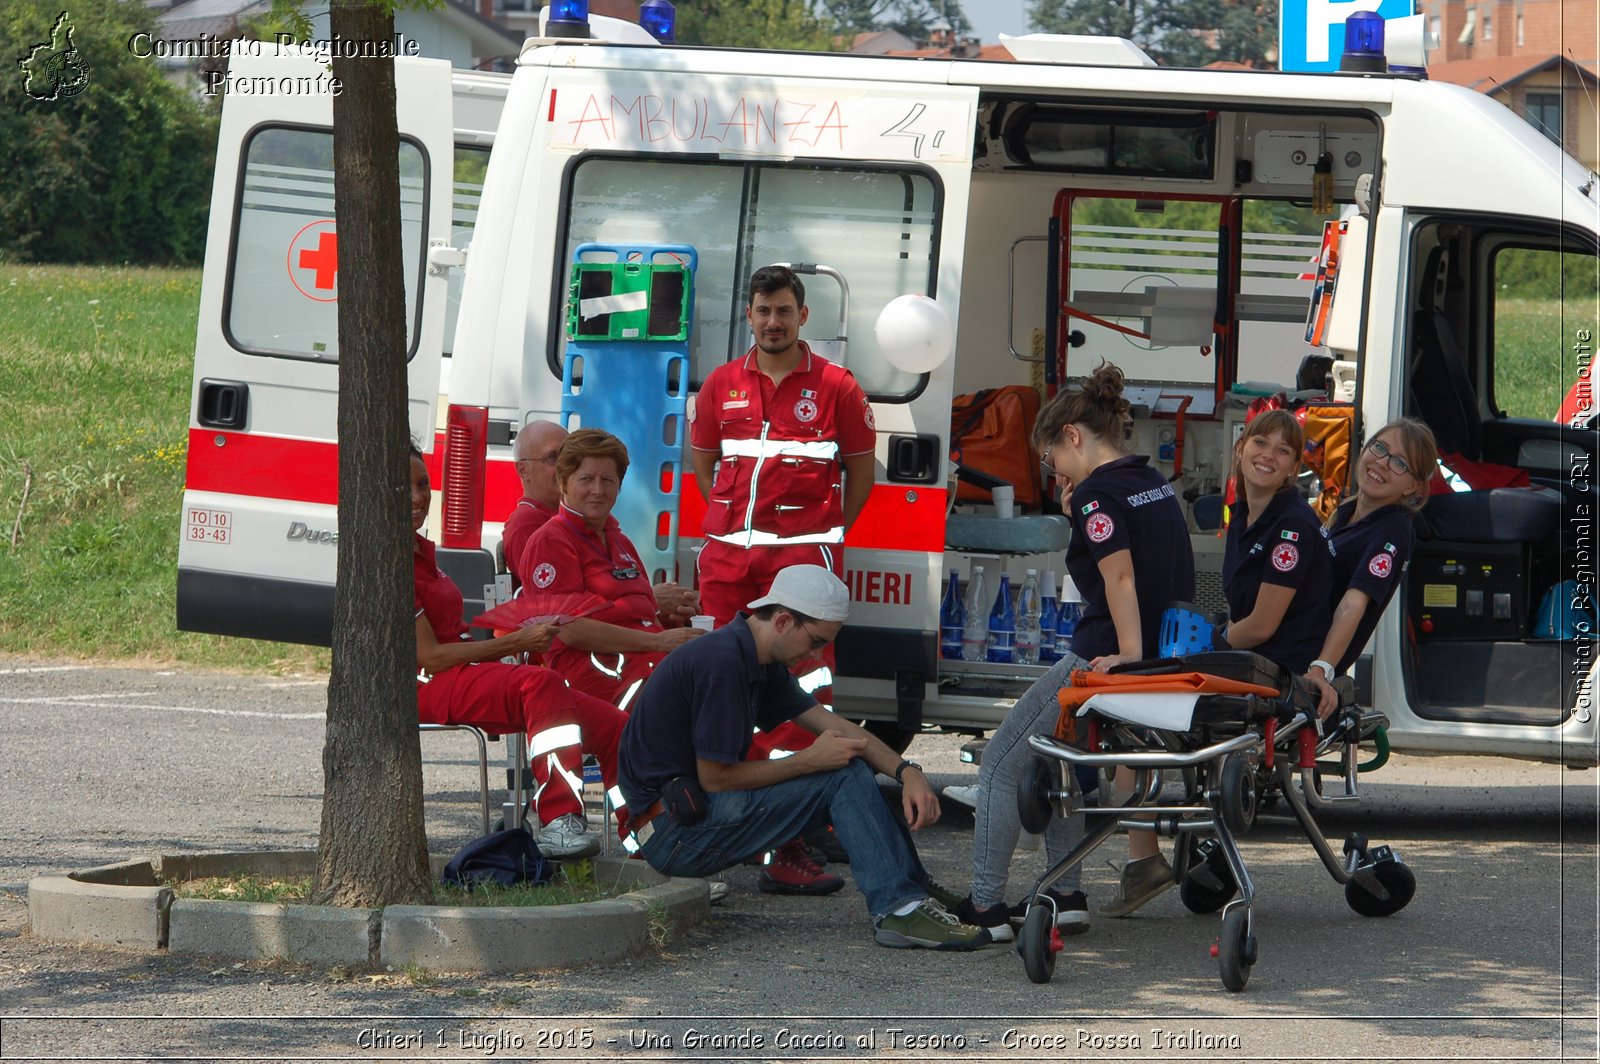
{"x":784,"y":423}
{"x":534,"y":452}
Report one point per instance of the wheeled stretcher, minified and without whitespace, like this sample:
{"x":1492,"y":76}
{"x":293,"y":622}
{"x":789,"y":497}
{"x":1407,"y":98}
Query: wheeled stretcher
{"x":1238,"y":730}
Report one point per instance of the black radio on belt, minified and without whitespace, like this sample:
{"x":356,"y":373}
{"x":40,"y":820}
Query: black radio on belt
{"x":685,"y":800}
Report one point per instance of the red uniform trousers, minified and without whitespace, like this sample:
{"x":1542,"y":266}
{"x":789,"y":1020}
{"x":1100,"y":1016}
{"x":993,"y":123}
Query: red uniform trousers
{"x":619,"y":686}
{"x":730,"y":578}
{"x":561,"y":724}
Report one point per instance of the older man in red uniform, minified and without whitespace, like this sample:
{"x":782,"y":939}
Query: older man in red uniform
{"x":784,"y":423}
{"x":534,"y":452}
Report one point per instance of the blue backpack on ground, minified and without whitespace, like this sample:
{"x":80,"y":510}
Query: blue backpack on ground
{"x":502,"y":858}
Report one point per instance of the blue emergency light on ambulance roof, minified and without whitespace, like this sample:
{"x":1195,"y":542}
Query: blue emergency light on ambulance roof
{"x":567,"y":18}
{"x":660,"y":20}
{"x":1363,"y":44}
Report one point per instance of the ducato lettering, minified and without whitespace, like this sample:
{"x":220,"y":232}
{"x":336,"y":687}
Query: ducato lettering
{"x":298,"y":532}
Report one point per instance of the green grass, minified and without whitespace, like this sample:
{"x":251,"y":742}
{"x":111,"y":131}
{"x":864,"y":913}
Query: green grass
{"x":244,"y":887}
{"x":574,"y":883}
{"x":1534,"y":360}
{"x":95,"y":371}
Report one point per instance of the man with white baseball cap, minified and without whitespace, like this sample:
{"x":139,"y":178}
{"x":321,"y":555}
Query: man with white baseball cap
{"x":697,"y":806}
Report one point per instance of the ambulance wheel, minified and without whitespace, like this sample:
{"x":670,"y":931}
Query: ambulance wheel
{"x":1199,"y":897}
{"x":1236,"y":799}
{"x":1396,"y":878}
{"x":1034,"y":807}
{"x":1236,"y":949}
{"x":894,"y":737}
{"x":1038,"y":943}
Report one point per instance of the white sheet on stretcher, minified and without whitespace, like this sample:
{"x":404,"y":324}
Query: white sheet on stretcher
{"x":1167,"y":710}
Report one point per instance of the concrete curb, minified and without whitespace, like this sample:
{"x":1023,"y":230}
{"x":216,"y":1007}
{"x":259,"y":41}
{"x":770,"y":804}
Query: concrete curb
{"x":127,"y":905}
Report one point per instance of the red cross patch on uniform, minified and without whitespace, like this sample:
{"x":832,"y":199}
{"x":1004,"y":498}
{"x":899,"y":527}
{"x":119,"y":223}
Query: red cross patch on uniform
{"x":1100,"y":527}
{"x":1285,"y":556}
{"x":1381,"y":565}
{"x":805,"y":410}
{"x":544,"y":574}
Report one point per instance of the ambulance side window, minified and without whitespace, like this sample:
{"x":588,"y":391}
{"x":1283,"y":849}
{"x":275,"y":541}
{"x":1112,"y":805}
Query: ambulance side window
{"x":1544,"y":330}
{"x":283,"y":280}
{"x":466,"y":191}
{"x":876,"y":226}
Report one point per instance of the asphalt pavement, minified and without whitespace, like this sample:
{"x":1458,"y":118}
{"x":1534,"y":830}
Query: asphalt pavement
{"x":1495,"y":959}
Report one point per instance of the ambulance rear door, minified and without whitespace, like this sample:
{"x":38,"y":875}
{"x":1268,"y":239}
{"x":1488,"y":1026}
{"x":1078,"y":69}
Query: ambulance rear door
{"x":259,"y":521}
{"x":847,"y":166}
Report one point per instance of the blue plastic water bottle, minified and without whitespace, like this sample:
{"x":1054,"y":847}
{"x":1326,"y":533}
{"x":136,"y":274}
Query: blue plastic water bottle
{"x":952,"y":619}
{"x":1049,"y":617}
{"x":1002,"y":624}
{"x":1067,"y":619}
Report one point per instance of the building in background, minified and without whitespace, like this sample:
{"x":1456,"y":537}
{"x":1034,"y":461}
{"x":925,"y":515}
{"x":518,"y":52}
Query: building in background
{"x":457,"y":30}
{"x":1541,"y":58}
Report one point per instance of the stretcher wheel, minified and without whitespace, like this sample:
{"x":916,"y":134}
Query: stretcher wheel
{"x":1201,"y":897}
{"x":1236,"y":949}
{"x":1039,"y":942}
{"x":1034,"y":807}
{"x":1237,"y":800}
{"x":1396,"y":878}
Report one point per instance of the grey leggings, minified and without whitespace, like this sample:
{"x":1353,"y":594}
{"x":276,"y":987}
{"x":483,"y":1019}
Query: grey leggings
{"x":996,"y":826}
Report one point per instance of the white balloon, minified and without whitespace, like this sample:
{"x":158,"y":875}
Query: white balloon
{"x":915,"y":334}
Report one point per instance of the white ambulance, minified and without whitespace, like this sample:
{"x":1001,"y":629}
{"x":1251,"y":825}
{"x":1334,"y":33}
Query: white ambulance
{"x":1075,"y":205}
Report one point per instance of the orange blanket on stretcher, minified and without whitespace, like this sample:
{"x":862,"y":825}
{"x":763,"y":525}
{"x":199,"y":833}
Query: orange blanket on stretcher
{"x":1086,"y":684}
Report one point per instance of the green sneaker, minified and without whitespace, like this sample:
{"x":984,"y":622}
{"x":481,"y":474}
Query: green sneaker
{"x":928,"y":926}
{"x":1141,"y":880}
{"x":947,"y":898}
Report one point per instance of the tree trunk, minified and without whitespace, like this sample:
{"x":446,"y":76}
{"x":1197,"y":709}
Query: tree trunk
{"x":372,"y":850}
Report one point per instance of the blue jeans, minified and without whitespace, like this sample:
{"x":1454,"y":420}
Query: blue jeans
{"x":996,"y":823}
{"x":741,"y":824}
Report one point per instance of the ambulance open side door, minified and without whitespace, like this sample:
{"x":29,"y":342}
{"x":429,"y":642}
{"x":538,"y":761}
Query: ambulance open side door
{"x":259,"y":520}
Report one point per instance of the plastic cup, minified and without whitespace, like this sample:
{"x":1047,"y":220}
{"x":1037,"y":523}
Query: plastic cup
{"x":702,"y":621}
{"x":1005,"y":501}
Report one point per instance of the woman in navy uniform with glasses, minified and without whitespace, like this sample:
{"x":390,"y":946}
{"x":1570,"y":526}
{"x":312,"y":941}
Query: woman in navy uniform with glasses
{"x":1373,"y":535}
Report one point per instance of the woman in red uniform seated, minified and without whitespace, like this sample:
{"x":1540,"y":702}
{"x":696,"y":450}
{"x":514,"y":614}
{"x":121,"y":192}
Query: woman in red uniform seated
{"x":582,"y":551}
{"x":460,"y":681}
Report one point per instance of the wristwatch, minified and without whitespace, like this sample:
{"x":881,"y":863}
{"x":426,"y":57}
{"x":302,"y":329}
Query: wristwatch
{"x":1326,"y":667}
{"x":900,"y":770}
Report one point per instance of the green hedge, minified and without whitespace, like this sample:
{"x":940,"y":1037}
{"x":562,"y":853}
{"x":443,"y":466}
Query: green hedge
{"x":119,"y":172}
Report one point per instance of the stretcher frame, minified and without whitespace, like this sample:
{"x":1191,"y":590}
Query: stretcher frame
{"x":1234,"y":750}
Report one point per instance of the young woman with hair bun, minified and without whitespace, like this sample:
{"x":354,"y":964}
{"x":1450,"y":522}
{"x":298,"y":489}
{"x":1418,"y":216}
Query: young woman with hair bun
{"x":1126,"y":520}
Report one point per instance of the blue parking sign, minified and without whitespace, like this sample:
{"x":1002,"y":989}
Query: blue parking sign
{"x":1311,"y":32}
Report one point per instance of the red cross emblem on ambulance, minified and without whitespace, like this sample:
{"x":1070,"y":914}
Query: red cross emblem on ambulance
{"x":1285,"y":557}
{"x":313,"y":261}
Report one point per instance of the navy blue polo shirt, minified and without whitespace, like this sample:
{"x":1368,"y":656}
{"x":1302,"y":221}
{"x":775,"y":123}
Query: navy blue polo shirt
{"x":1126,"y":505}
{"x":1288,"y":547}
{"x":1369,"y":555}
{"x":702,"y":702}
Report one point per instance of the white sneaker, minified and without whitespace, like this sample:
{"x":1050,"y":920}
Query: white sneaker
{"x":967,"y":796}
{"x":719,"y":890}
{"x":566,"y":836}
